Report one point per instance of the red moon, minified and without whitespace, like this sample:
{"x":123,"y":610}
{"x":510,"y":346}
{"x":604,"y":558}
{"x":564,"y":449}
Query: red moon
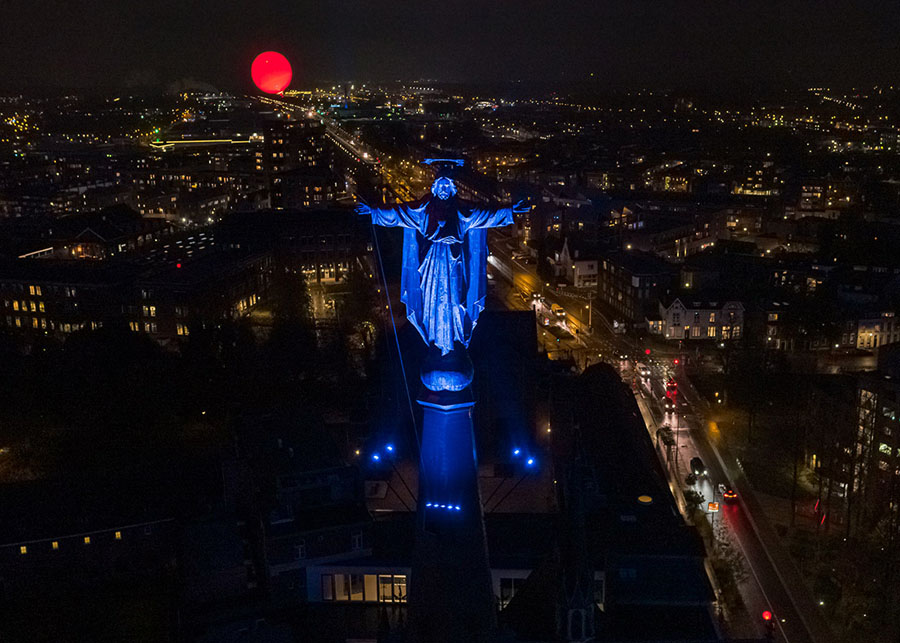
{"x":271,"y":72}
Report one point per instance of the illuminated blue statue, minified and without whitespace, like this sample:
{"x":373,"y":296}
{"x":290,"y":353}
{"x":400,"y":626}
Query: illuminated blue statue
{"x":443,"y":282}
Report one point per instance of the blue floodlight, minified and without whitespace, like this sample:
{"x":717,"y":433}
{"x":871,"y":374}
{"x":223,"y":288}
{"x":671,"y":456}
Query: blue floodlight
{"x":436,"y":505}
{"x":517,"y":451}
{"x":530,"y":462}
{"x":376,"y":457}
{"x":390,"y":447}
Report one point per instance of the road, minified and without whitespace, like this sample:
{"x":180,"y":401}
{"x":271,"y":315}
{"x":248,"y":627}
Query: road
{"x":765,"y":586}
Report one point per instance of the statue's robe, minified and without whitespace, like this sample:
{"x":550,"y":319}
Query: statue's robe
{"x":443,"y":282}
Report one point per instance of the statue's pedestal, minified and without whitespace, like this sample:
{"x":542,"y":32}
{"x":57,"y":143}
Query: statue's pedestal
{"x":451,"y":597}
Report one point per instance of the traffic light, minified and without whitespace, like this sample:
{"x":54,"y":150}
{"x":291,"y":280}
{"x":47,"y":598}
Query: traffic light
{"x":646,"y":351}
{"x":769,"y":623}
{"x":675,"y":361}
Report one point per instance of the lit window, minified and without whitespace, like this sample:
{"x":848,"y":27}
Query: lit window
{"x":23,"y":549}
{"x":30,"y":290}
{"x":118,"y":535}
{"x":54,"y":545}
{"x":87,"y":540}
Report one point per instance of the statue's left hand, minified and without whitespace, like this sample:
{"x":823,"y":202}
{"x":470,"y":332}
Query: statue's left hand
{"x":521,"y":207}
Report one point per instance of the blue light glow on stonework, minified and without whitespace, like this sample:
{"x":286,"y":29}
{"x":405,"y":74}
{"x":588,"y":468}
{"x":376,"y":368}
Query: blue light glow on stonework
{"x":450,"y":507}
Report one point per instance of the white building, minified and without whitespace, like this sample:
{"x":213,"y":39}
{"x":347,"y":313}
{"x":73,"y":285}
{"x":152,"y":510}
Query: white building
{"x":877,"y":330}
{"x":579,"y":271}
{"x":686,"y":318}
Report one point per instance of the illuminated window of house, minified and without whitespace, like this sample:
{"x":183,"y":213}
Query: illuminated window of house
{"x":118,"y":535}
{"x":30,"y":290}
{"x":712,"y":318}
{"x":37,"y":290}
{"x":34,"y":322}
{"x":87,"y":540}
{"x":15,"y":305}
{"x":23,"y":549}
{"x":54,"y":545}
{"x":41,"y":306}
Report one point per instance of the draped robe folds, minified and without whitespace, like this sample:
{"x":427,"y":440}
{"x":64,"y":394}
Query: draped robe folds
{"x":443,"y":283}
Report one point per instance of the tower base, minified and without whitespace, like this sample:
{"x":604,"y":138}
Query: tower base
{"x":451,"y":595}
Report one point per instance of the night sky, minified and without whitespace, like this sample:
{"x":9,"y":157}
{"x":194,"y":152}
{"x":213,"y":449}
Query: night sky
{"x":648,"y":43}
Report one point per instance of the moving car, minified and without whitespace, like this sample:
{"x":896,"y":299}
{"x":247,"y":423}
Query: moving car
{"x":729,"y":496}
{"x":559,"y":311}
{"x":698,"y":468}
{"x":668,"y":405}
{"x":642,"y":369}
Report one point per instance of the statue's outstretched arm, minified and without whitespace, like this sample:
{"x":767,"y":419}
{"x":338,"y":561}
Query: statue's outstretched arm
{"x":494,"y":217}
{"x":400,"y":215}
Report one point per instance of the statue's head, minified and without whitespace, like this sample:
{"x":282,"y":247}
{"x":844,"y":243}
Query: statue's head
{"x":443,"y":188}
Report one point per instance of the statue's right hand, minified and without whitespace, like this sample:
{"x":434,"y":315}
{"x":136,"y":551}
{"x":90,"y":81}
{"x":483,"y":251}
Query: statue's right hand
{"x":363,"y":209}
